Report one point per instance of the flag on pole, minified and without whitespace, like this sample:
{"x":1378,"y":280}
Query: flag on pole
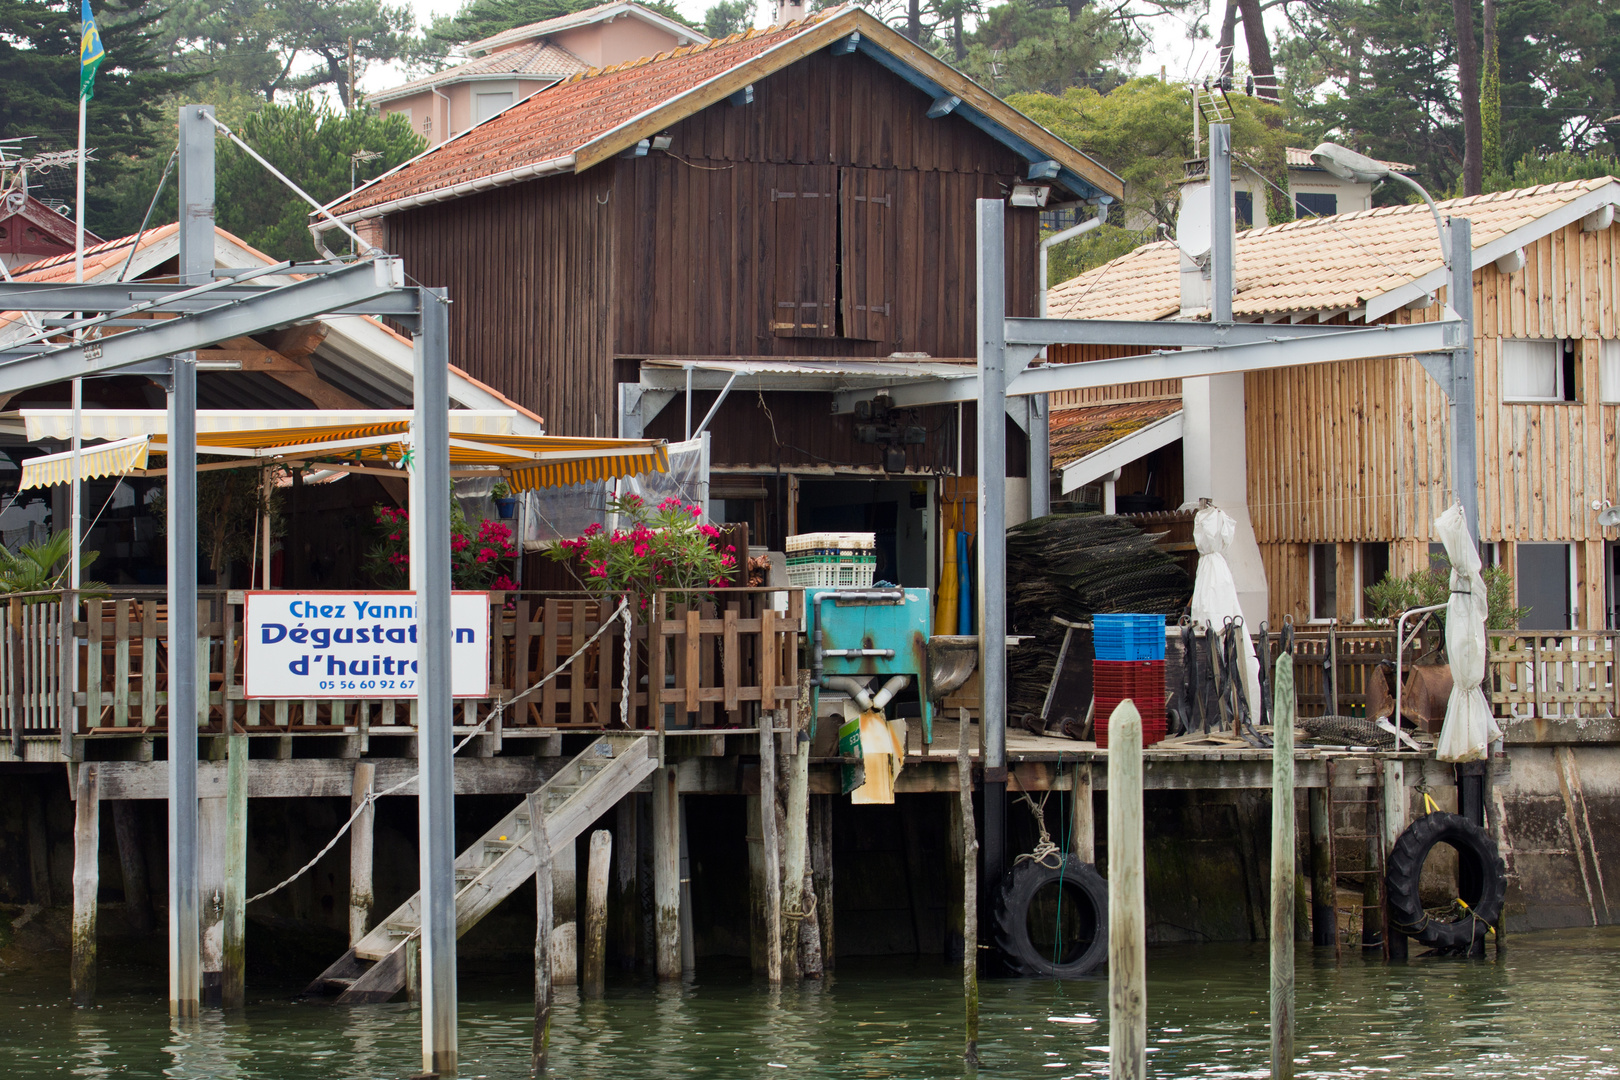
{"x":91,"y":53}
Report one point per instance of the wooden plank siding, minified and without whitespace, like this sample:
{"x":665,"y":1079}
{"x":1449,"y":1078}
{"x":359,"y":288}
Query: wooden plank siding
{"x":1119,"y":393}
{"x":1360,"y":452}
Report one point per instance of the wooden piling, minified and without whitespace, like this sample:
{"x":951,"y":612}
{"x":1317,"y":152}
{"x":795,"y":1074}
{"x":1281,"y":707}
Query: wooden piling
{"x":1282,"y":871}
{"x":86,"y":884}
{"x":796,"y":860}
{"x":39,"y":843}
{"x":540,"y":844}
{"x":598,"y":865}
{"x":1083,"y":817}
{"x":361,"y":851}
{"x":565,"y":915}
{"x":211,"y":834}
{"x":666,"y":852}
{"x":233,"y":916}
{"x":970,"y":899}
{"x":1324,"y":879}
{"x":1127,"y":941}
{"x":1396,"y":805}
{"x":624,"y":906}
{"x":821,"y":867}
{"x":768,"y":880}
{"x":132,"y":863}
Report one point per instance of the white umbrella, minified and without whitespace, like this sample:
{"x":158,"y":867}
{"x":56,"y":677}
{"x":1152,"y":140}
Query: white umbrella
{"x":1469,"y":729}
{"x":1215,"y":598}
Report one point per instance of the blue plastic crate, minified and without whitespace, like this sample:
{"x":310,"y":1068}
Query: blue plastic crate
{"x":1128,"y":637}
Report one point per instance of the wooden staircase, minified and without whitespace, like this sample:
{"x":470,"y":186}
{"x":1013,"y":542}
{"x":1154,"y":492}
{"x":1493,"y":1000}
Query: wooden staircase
{"x":496,"y":863}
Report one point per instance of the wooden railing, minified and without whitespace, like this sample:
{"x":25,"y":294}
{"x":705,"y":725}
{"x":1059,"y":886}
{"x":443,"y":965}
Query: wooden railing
{"x":721,"y":662}
{"x":1548,"y":675}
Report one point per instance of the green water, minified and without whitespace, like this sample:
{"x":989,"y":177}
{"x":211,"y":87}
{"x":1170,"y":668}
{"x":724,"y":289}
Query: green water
{"x":1550,"y":1007}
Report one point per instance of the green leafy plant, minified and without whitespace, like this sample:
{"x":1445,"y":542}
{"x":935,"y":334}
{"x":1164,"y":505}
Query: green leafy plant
{"x":662,"y":547}
{"x":1425,"y":588}
{"x":477,"y":556}
{"x":43,"y":566}
{"x":231,"y":506}
{"x":500,"y":490}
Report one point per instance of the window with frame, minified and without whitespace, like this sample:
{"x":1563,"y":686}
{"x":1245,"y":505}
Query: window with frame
{"x":1315,"y":204}
{"x":1324,"y":582}
{"x":836,"y":234}
{"x":1243,"y":209}
{"x":1538,"y":369}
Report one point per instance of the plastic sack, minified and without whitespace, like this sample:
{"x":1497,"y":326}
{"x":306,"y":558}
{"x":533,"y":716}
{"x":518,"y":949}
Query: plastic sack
{"x":1215,"y":598}
{"x":1470,"y":728}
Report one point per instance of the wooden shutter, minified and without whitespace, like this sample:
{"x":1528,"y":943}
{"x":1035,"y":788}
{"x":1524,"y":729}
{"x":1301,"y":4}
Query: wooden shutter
{"x":804,"y":203}
{"x":868,"y":262}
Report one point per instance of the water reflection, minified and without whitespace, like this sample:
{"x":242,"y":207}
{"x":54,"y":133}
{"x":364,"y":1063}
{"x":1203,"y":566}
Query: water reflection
{"x":1547,"y":1010}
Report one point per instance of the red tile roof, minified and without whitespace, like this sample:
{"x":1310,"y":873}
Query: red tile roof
{"x":1082,"y":431}
{"x":561,"y":120}
{"x":595,"y":114}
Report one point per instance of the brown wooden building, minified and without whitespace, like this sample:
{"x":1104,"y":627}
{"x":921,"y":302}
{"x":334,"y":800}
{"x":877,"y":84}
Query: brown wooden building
{"x":786,"y":201}
{"x":1348,"y":464}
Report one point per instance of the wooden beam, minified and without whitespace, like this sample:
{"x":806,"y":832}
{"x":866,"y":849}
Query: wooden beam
{"x":361,"y":847}
{"x":132,"y":862}
{"x":666,"y":852}
{"x":597,"y":867}
{"x":86,"y":884}
{"x":564,"y":912}
{"x":325,"y":778}
{"x":296,"y":342}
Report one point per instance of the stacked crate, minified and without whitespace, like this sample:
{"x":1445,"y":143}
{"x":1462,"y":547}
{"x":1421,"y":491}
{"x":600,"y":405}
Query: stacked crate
{"x":1129,"y":663}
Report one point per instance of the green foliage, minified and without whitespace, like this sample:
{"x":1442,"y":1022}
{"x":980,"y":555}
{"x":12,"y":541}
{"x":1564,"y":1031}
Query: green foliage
{"x":1101,"y":245}
{"x":728,"y":17}
{"x":39,"y":96}
{"x":1533,"y":169}
{"x":1425,"y":588}
{"x":479,"y":19}
{"x":1142,"y":130}
{"x":1025,"y":47}
{"x":1379,"y":75}
{"x":312,"y":144}
{"x":231,"y":506}
{"x":268,"y":46}
{"x":476,"y":555}
{"x":662,"y":547}
{"x":43,"y":566}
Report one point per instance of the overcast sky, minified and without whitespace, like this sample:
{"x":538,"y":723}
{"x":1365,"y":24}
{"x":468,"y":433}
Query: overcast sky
{"x":1181,"y":59}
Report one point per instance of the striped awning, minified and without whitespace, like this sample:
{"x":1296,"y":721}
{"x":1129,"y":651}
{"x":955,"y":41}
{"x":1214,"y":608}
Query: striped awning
{"x":110,"y":459}
{"x":123,"y":423}
{"x":592,"y":464}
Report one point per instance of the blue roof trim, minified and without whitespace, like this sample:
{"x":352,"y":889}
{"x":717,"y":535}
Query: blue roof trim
{"x":1081,"y":187}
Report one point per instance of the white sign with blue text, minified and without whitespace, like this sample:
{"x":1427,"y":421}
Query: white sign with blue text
{"x":355,"y":645}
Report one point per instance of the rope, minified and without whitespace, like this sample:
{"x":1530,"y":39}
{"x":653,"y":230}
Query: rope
{"x":1046,"y":853}
{"x":500,"y":707}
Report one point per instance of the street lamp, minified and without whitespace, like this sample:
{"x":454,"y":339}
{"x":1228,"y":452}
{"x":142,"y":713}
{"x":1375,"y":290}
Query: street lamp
{"x":1346,"y":164}
{"x":1457,"y":253}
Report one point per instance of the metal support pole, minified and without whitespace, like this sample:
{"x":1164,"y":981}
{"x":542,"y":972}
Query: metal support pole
{"x":1460,"y":292}
{"x":992,"y":568}
{"x":196,"y":266}
{"x":430,"y":571}
{"x":1040,"y":456}
{"x":1220,"y":223}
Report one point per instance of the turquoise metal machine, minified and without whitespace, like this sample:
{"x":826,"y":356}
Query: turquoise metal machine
{"x":858,"y":635}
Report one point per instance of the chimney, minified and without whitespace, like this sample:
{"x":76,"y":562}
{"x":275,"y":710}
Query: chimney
{"x":790,"y":10}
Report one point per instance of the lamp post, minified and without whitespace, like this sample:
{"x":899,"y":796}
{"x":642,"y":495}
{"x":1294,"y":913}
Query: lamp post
{"x":1457,"y":253}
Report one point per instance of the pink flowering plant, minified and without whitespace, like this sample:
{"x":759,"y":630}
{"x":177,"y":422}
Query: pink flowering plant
{"x":667,"y":546}
{"x":478,"y":555}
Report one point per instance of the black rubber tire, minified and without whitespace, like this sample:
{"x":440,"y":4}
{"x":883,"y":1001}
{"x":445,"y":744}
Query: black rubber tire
{"x":1011,"y":918}
{"x":1481,"y":865}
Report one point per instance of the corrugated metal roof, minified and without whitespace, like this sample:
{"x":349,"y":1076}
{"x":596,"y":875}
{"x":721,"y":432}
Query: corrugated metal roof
{"x":1317,"y":264}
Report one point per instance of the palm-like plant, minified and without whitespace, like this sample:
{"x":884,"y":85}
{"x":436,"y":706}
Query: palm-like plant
{"x":41,"y":567}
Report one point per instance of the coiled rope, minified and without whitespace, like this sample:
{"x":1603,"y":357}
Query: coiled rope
{"x":500,"y":707}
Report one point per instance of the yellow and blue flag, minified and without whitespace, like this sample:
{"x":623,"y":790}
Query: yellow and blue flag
{"x":91,"y":53}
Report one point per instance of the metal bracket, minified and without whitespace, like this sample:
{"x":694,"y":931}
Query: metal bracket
{"x":1438,"y":365}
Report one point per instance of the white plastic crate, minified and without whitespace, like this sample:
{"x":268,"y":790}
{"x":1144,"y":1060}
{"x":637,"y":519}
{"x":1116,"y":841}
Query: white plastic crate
{"x":831,"y":559}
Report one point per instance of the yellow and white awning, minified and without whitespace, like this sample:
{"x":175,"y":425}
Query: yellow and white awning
{"x":126,"y":423}
{"x":378,"y":446}
{"x":111,"y":459}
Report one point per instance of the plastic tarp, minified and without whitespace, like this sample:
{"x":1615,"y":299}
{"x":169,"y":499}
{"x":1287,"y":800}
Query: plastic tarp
{"x":1215,"y":598}
{"x":561,"y":513}
{"x":1469,"y":729}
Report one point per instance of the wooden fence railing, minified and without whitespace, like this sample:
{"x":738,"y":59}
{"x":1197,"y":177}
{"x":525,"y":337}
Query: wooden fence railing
{"x":121,"y":648}
{"x":1549,"y":675}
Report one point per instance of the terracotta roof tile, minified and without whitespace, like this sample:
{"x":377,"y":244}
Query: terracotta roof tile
{"x":1313,"y":264}
{"x":1300,"y":158}
{"x":559,"y":120}
{"x":1082,"y":431}
{"x":536,"y":59}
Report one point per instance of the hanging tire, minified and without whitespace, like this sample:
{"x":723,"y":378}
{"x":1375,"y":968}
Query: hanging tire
{"x":1480,"y":868}
{"x":1071,"y":899}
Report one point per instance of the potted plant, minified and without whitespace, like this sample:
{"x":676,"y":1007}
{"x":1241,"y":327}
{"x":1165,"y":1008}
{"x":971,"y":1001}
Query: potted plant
{"x":663,"y":547}
{"x":505,"y":504}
